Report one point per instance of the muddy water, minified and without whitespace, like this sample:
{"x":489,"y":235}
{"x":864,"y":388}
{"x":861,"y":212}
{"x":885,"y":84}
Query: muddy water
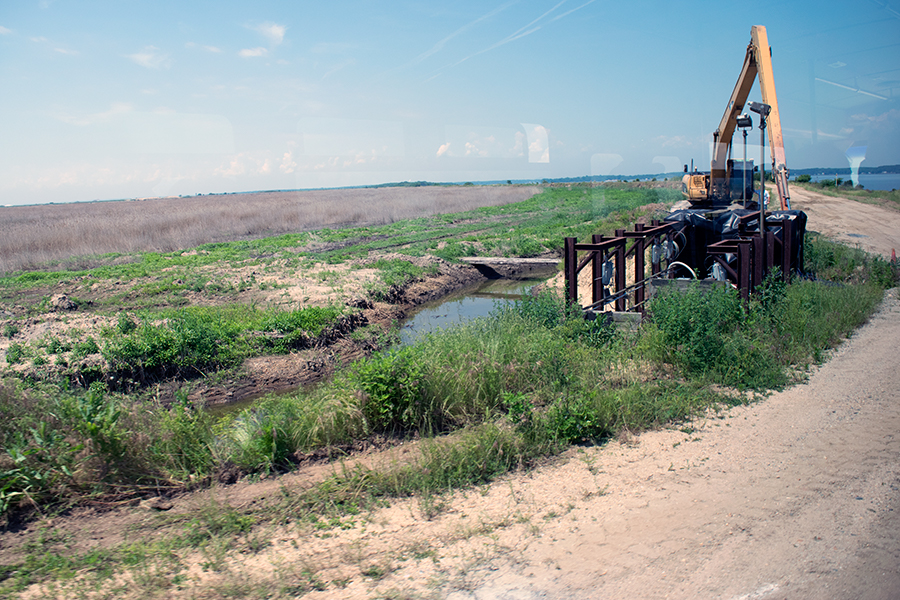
{"x":468,"y":304}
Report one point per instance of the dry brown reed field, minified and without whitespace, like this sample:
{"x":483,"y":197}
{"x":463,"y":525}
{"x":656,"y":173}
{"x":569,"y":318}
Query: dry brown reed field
{"x":41,"y":235}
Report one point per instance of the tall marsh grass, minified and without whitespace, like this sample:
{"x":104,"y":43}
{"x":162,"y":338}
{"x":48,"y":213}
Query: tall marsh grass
{"x":32,"y":236}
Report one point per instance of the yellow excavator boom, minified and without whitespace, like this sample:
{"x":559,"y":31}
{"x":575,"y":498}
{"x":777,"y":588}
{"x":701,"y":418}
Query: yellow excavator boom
{"x":757,"y":63}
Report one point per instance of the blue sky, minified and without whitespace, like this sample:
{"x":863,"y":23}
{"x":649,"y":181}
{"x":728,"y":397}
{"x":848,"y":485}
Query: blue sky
{"x":125,"y":99}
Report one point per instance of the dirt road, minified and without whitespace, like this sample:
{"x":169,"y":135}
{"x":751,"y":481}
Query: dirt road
{"x":871,"y":227}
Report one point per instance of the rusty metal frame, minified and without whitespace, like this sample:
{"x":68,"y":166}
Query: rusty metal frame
{"x":756,"y":252}
{"x":599,"y":251}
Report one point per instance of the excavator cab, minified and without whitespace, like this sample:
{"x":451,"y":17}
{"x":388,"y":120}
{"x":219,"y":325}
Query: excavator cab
{"x":740,"y":175}
{"x":695,"y":186}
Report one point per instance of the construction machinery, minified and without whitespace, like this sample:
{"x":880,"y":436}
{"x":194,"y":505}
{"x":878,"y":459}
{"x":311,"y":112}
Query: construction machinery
{"x":725,"y":182}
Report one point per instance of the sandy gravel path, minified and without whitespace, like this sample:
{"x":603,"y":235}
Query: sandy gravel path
{"x":794,"y":497}
{"x":873,"y":228}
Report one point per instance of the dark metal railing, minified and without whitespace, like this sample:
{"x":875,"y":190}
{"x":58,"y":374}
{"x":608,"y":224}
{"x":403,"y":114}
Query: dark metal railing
{"x":746,"y":259}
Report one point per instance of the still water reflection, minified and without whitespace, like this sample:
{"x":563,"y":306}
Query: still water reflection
{"x":465,"y":306}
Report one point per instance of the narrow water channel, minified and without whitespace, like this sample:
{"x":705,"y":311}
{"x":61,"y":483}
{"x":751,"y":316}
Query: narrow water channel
{"x":464,"y":306}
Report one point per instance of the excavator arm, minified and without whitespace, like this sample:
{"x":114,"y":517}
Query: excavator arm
{"x":757,"y":63}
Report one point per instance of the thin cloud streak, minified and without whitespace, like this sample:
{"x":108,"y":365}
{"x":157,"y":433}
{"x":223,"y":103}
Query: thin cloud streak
{"x":440,"y":45}
{"x":525,"y":31}
{"x":566,"y":14}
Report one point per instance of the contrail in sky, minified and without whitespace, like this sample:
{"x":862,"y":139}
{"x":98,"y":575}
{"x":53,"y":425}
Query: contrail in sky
{"x":440,"y":45}
{"x":524,"y":31}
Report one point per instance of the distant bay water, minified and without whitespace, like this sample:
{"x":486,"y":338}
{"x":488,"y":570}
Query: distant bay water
{"x":870,"y":181}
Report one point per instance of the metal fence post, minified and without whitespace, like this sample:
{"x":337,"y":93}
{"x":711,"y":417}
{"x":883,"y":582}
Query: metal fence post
{"x":570,"y":266}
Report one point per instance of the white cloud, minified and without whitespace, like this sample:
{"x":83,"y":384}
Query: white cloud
{"x":890,"y":116}
{"x":674,"y":141}
{"x":482,"y":142}
{"x":538,"y":143}
{"x":253,"y":52}
{"x":43,"y":40}
{"x":4,"y":30}
{"x":150,"y":58}
{"x":331,"y":48}
{"x":244,"y":163}
{"x":440,"y":45}
{"x":236,"y":166}
{"x":528,"y":29}
{"x":351,"y":137}
{"x":342,"y":65}
{"x":472,"y":149}
{"x":288,"y":165}
{"x":272,"y":32}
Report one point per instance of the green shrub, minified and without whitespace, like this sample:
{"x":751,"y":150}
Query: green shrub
{"x":41,"y":462}
{"x":188,"y":343}
{"x":125,"y":324}
{"x":193,"y":341}
{"x":14,"y":353}
{"x":85,"y":347}
{"x":839,"y":263}
{"x":257,"y":439}
{"x":95,"y":415}
{"x":397,"y":271}
{"x":696,"y":322}
{"x":577,"y":419}
{"x":815,"y":316}
{"x":803,"y":178}
{"x":549,"y":309}
{"x":296,"y":326}
{"x":711,"y":333}
{"x":181,"y":441}
{"x":391,"y":386}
